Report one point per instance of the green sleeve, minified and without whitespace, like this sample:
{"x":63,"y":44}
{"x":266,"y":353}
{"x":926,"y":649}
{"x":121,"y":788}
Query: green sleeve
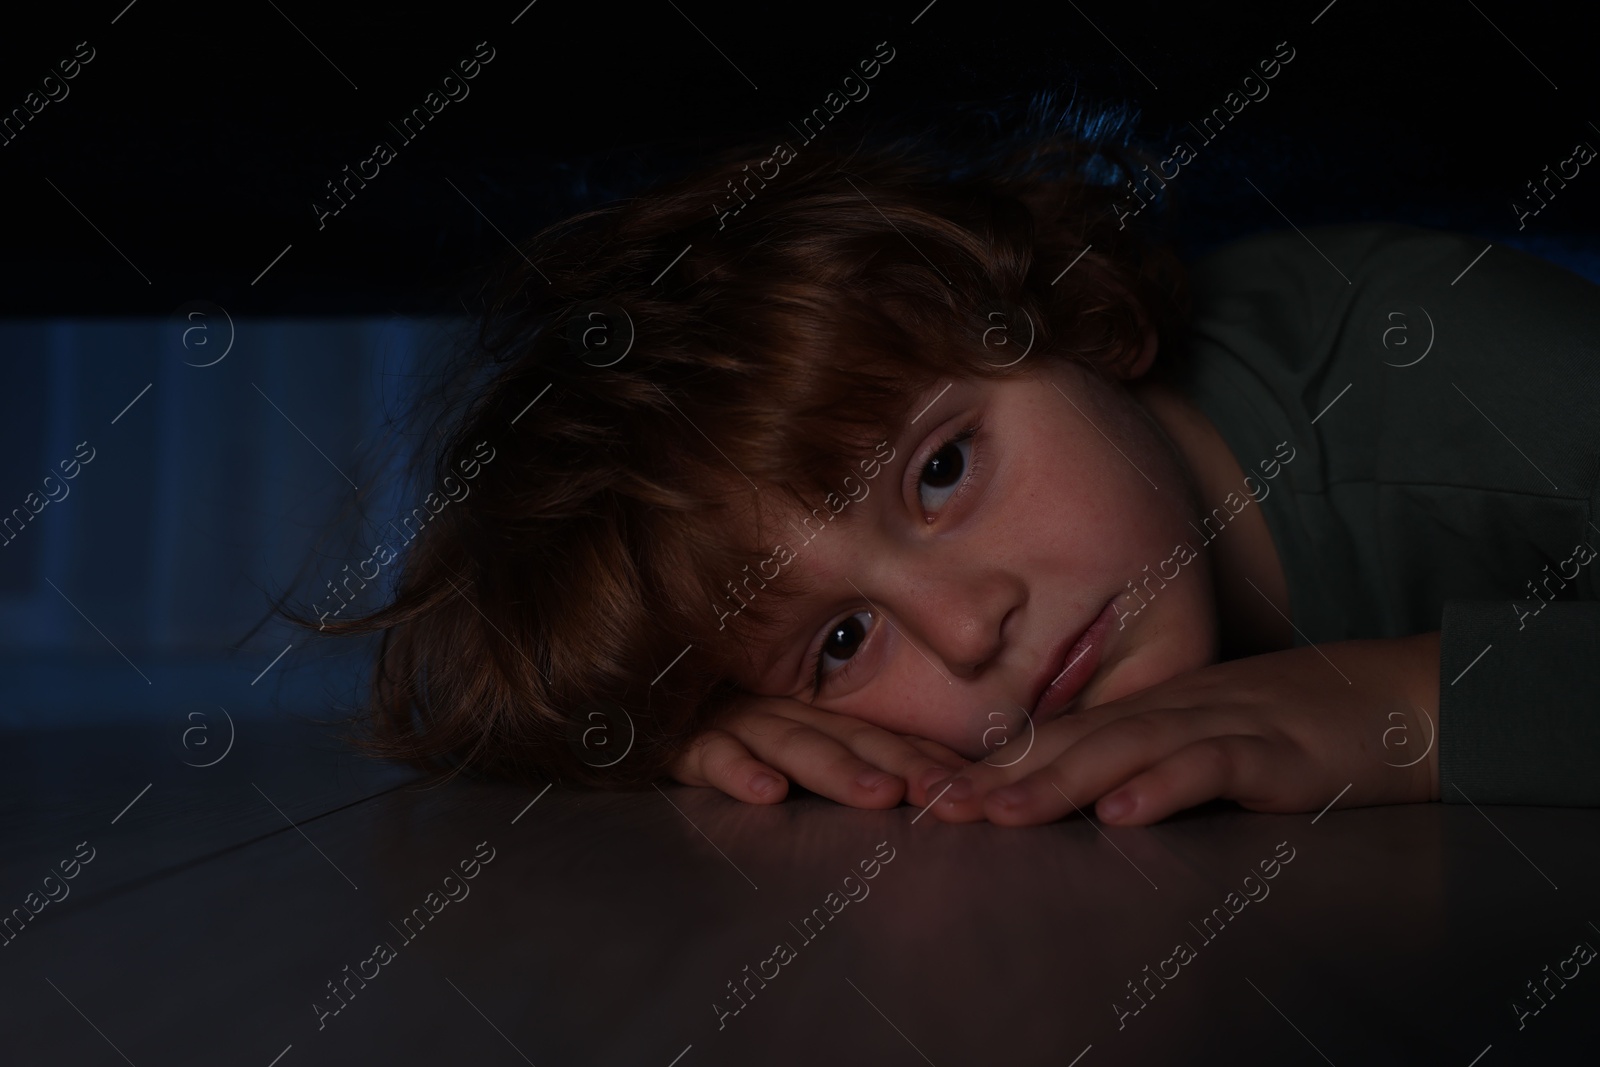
{"x":1519,"y":702}
{"x":1443,"y":396}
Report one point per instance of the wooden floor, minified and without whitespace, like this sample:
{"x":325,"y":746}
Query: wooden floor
{"x":292,"y":904}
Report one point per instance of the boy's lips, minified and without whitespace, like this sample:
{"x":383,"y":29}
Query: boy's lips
{"x":1070,"y":665}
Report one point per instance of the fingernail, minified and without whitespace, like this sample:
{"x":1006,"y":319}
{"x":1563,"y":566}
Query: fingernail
{"x":1116,"y":806}
{"x":764,"y":785}
{"x":931,"y":780}
{"x":956,"y":789}
{"x":1009,"y":797}
{"x":873,"y":779}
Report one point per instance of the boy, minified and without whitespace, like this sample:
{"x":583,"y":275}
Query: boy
{"x":1401,"y":489}
{"x":688,"y":560}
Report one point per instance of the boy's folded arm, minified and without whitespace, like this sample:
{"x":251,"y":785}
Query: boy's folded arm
{"x":1290,"y":731}
{"x":1520,"y":702}
{"x":759,"y":743}
{"x":1506,"y":693}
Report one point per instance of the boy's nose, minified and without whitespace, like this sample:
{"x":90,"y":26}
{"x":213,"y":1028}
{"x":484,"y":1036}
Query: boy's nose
{"x":966,"y":637}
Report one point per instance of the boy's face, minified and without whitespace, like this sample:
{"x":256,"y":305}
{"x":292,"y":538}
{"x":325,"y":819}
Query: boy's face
{"x":944,"y":598}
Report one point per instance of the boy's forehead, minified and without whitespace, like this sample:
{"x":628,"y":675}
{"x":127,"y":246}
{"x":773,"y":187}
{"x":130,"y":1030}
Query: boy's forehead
{"x":763,"y":509}
{"x":783,"y":553}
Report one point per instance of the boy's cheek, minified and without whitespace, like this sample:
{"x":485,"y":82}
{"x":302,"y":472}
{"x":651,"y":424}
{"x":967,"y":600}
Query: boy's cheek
{"x":1174,"y":633}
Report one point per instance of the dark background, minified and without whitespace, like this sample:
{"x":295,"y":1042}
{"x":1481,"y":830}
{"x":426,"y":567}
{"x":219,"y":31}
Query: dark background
{"x":181,"y":169}
{"x":199,"y":136}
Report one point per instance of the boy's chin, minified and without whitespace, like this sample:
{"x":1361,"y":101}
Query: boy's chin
{"x":999,"y":739}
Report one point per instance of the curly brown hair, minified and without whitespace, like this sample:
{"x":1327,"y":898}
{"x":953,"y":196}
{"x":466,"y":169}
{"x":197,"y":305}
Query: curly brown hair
{"x":654,"y":378}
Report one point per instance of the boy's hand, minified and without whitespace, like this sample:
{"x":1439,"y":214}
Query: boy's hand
{"x":1277,"y":732}
{"x":840,"y":757}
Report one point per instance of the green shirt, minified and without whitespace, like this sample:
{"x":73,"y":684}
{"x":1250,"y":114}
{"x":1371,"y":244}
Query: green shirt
{"x":1444,"y":409}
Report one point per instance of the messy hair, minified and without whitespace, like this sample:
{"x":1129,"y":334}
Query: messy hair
{"x":652,"y":379}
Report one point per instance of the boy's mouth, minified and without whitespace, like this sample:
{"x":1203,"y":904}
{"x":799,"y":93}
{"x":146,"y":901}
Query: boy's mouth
{"x":1069,"y":666}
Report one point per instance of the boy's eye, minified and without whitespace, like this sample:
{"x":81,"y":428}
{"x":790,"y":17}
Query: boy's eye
{"x":842,"y":642}
{"x":943,"y":472}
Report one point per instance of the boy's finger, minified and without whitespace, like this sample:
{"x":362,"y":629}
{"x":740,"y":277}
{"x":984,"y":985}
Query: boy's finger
{"x":720,"y":760}
{"x":960,"y":796}
{"x":825,"y":765}
{"x":896,"y":755}
{"x":1205,"y":770}
{"x":893,"y":754}
{"x":1080,"y":774}
{"x":944,"y":757}
{"x":1123,"y":748}
{"x":963,"y":800}
{"x":938,"y":763}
